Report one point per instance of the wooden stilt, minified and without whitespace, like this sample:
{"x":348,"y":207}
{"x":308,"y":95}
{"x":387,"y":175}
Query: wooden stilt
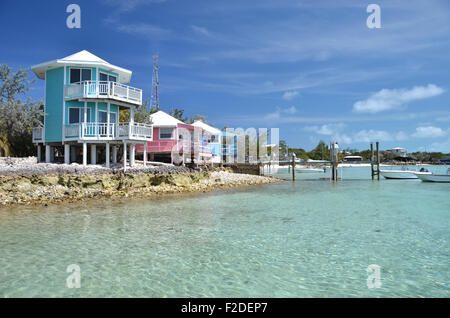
{"x":293,"y":167}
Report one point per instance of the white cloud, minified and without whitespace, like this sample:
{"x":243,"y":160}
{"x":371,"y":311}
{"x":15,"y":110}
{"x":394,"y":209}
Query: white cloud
{"x":443,"y":119}
{"x":291,"y":110}
{"x":278,"y":114}
{"x":335,"y":132}
{"x":400,"y":136}
{"x":289,"y":95}
{"x":328,"y":130}
{"x":440,"y":146}
{"x":389,"y":99}
{"x":143,"y":29}
{"x":201,"y":30}
{"x":372,"y":135}
{"x":129,"y":5}
{"x":429,"y":132}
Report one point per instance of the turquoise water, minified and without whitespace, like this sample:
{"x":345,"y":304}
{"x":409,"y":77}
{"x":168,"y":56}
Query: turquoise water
{"x":308,"y":239}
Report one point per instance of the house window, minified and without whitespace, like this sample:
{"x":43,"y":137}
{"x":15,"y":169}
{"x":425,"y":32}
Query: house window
{"x":78,"y":75}
{"x":86,"y":75}
{"x":166,"y":133}
{"x":112,"y":118}
{"x":107,"y":78}
{"x":76,"y":115}
{"x":102,"y":116}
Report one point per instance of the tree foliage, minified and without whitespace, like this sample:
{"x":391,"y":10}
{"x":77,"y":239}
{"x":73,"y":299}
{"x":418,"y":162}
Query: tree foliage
{"x":141,"y":114}
{"x":196,"y":118}
{"x":17,"y":116}
{"x":178,"y":114}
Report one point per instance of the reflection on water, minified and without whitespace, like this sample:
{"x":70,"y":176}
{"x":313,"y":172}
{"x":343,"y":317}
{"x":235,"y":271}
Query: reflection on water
{"x":308,"y":239}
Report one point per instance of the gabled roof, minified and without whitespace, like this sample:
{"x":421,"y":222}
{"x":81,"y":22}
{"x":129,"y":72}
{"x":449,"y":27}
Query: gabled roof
{"x":163,"y":119}
{"x":82,"y":58}
{"x":206,"y":127}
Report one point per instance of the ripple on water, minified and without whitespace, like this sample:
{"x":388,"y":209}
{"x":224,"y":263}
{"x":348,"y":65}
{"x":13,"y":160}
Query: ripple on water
{"x":309,"y":239}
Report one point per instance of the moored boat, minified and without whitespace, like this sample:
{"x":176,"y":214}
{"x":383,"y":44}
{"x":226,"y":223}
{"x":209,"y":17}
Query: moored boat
{"x":431,"y":177}
{"x":404,"y":173}
{"x":310,"y":170}
{"x":398,"y":174}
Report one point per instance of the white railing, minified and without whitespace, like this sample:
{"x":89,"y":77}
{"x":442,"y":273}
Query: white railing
{"x":104,"y":131}
{"x":135,"y":131}
{"x":38,"y":134}
{"x":103,"y":89}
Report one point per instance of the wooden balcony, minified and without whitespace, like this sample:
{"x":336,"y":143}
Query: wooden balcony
{"x":108,"y":132}
{"x":105,"y":90}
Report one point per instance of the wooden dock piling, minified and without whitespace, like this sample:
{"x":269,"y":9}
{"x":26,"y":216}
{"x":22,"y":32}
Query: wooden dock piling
{"x":378,"y":160}
{"x":293,"y":166}
{"x":375,"y":160}
{"x":334,"y":156}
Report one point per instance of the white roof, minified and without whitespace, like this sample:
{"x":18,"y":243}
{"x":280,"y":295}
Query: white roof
{"x":206,"y":127}
{"x":82,"y":58}
{"x":162,"y":119}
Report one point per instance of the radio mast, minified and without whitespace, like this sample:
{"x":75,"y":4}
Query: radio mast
{"x":154,"y":100}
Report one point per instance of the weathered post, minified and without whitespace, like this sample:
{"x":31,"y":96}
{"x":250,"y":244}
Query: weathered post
{"x":334,"y":153}
{"x":378,"y":160}
{"x":293,"y":166}
{"x":371,"y":161}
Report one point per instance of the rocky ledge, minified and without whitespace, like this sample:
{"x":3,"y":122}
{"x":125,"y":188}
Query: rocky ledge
{"x":49,"y":183}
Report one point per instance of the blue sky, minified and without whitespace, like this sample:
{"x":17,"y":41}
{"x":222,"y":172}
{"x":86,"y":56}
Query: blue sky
{"x":311,"y":68}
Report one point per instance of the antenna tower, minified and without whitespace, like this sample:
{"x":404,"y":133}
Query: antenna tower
{"x":154,"y":101}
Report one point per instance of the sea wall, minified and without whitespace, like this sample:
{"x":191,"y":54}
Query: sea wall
{"x":8,"y":161}
{"x":245,"y":168}
{"x":47,"y":183}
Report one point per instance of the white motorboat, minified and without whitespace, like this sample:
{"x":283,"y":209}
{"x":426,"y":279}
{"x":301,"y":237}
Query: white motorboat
{"x":310,"y":170}
{"x":431,"y":177}
{"x":398,"y":174}
{"x":404,"y":173}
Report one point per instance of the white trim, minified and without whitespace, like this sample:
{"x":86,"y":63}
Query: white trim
{"x":85,"y":113}
{"x":108,"y":113}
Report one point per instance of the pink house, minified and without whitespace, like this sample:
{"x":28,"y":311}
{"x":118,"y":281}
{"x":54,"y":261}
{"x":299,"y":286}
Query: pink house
{"x":176,"y":142}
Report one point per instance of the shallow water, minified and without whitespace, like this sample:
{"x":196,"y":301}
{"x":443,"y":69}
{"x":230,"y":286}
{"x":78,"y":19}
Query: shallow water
{"x":308,"y":239}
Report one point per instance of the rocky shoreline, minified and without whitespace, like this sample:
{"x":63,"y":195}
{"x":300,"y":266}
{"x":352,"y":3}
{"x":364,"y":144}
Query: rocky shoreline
{"x":43,"y":184}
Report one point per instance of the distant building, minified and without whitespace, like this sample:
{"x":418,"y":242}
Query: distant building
{"x":353,"y":159}
{"x":399,"y":152}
